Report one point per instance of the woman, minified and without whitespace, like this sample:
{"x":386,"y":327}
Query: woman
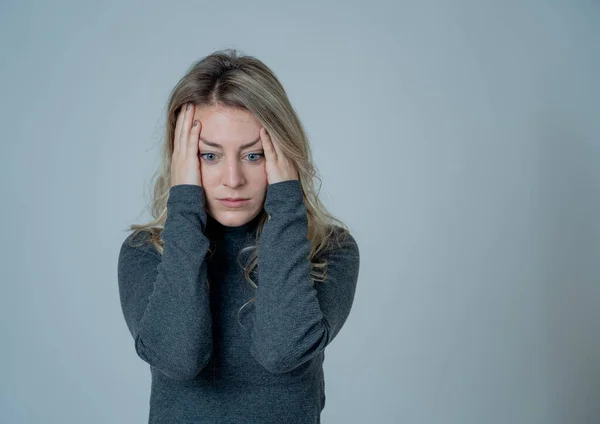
{"x":232,"y":303}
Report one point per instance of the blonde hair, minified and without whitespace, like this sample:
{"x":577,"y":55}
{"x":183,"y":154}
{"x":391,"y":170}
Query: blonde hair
{"x":229,"y":79}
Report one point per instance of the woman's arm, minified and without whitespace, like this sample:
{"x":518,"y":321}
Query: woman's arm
{"x":296,"y":318}
{"x":165,"y":298}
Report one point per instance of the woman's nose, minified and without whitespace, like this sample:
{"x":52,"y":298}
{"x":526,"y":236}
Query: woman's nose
{"x":233,"y":174}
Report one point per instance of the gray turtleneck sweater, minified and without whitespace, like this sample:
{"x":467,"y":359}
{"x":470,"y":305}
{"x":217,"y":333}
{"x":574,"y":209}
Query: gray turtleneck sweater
{"x":209,"y":364}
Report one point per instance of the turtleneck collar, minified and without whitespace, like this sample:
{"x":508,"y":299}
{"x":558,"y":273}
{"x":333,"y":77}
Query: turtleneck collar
{"x":216,"y":230}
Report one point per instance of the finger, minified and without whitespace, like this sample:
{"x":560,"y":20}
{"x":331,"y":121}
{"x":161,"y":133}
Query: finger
{"x":193,"y":138}
{"x":189,"y":128}
{"x":185,"y":128}
{"x":276,"y":148}
{"x":267,"y":145}
{"x":178,"y":125}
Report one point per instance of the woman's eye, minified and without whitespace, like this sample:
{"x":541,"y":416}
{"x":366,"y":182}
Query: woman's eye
{"x":259,"y":155}
{"x":250,"y":155}
{"x":204,"y":154}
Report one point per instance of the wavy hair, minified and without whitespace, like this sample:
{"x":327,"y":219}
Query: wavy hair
{"x":230,"y":79}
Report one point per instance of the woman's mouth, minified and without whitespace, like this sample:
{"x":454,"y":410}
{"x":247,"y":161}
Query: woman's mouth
{"x":234,"y":203}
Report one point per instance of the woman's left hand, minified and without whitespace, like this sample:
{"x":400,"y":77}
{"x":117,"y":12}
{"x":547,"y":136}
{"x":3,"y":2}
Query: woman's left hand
{"x":279,"y":167}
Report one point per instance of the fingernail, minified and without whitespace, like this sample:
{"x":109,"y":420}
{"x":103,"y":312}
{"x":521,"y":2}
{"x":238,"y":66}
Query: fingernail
{"x":187,"y":107}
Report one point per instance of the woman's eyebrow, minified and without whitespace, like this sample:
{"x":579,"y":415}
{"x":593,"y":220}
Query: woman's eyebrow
{"x":217,"y":145}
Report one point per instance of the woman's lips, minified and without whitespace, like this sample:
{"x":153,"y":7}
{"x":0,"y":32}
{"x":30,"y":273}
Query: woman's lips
{"x":234,"y":203}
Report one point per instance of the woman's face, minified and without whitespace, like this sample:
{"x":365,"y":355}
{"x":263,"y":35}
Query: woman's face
{"x":231,"y":170}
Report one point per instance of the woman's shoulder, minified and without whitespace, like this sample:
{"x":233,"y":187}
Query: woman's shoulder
{"x":341,"y":240}
{"x":138,"y":243}
{"x":342,"y":234}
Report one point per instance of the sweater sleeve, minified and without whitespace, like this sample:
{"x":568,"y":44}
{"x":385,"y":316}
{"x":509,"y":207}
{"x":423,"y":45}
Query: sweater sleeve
{"x":165,"y":299}
{"x":296,"y":318}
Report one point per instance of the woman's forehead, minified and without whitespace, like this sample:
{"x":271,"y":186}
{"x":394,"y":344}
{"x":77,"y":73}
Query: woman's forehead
{"x":228,"y":128}
{"x":231,"y":144}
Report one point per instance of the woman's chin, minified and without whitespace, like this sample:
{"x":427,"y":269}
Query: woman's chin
{"x":233,"y":218}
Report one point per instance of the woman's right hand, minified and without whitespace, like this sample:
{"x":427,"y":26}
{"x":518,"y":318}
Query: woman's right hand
{"x":185,"y":163}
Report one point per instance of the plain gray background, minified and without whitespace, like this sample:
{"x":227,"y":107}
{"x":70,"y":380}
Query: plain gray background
{"x":458,"y":139}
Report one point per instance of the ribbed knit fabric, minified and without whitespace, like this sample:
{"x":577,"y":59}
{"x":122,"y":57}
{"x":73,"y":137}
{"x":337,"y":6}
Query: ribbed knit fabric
{"x":208,"y":367}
